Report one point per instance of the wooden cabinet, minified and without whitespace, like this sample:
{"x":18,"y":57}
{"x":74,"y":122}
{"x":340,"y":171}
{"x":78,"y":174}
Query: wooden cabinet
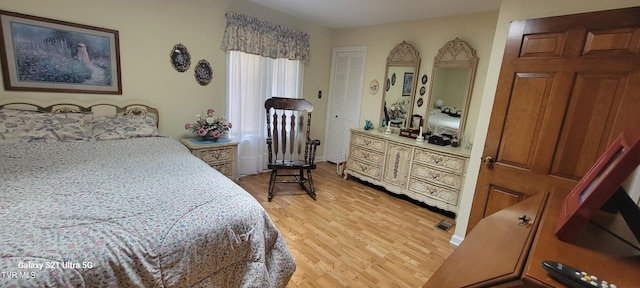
{"x":425,"y":172}
{"x":221,"y":155}
{"x":503,"y":250}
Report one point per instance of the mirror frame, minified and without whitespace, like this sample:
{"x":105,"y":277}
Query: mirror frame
{"x":402,"y":55}
{"x":454,"y":54}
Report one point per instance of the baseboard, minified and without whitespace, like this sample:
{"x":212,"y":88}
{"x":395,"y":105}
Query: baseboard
{"x":455,"y":240}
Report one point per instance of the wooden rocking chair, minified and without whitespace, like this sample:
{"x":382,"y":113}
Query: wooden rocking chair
{"x":287,"y":136}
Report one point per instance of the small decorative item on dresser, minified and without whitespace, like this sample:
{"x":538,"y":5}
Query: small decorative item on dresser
{"x":439,"y":140}
{"x":368,"y":125}
{"x":420,"y":138}
{"x":412,"y":133}
{"x":208,"y":126}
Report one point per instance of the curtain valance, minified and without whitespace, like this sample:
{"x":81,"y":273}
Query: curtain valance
{"x":251,"y":35}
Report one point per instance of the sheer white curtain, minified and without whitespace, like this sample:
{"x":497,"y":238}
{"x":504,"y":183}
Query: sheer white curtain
{"x":251,"y":80}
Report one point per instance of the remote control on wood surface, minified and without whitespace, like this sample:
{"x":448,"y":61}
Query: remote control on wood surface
{"x":573,"y":277}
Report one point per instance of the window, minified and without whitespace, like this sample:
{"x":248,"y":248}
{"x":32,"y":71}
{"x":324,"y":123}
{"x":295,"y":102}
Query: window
{"x":251,"y":80}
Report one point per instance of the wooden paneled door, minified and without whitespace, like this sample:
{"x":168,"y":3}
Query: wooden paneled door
{"x":568,"y":86}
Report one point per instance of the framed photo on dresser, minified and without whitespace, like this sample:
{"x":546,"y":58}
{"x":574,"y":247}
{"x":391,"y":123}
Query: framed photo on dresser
{"x":601,"y":188}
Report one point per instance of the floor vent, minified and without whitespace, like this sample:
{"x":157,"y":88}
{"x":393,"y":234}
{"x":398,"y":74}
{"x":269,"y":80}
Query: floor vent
{"x":444,"y":225}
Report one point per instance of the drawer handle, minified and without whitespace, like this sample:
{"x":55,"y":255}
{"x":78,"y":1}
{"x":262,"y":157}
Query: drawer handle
{"x":524,"y":220}
{"x":216,"y":154}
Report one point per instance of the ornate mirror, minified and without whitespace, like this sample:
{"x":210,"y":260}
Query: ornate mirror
{"x":399,"y":83}
{"x":454,"y":69}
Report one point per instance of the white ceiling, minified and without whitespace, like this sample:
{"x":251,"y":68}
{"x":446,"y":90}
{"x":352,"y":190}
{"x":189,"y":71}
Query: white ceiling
{"x":355,"y":13}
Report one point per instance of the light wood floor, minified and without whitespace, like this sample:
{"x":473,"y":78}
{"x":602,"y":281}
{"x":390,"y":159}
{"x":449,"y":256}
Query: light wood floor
{"x":353,"y":235}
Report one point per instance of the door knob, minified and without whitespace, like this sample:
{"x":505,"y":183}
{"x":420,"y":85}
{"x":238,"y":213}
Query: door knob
{"x":488,"y":160}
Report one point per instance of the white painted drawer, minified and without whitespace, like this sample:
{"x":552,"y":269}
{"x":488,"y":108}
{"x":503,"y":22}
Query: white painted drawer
{"x":451,"y":163}
{"x":363,"y":168}
{"x":212,"y":156}
{"x":452,"y":180}
{"x":357,"y":153}
{"x":374,"y":144}
{"x":428,"y":189}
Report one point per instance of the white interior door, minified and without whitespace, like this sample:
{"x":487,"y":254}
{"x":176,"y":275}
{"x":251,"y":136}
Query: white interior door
{"x":345,"y":94}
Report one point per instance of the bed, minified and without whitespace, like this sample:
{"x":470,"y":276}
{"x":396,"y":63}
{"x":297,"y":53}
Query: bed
{"x":104,"y":201}
{"x":442,"y":123}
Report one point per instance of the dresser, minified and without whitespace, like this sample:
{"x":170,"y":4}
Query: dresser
{"x":425,"y":172}
{"x":506,"y":249}
{"x":221,"y":155}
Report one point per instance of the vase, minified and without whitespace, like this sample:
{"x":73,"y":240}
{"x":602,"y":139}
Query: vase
{"x":210,"y":138}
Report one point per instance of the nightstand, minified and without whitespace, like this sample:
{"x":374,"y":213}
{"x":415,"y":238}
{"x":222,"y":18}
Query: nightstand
{"x":221,"y":155}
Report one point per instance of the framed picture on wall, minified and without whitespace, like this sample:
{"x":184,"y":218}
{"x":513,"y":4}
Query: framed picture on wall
{"x":40,"y":54}
{"x":408,"y":84}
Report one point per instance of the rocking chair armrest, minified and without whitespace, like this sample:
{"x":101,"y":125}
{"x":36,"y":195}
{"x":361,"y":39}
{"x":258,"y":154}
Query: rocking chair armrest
{"x":314,"y":142}
{"x":310,"y":153}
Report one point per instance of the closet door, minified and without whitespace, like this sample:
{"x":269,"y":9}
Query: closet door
{"x":347,"y":78}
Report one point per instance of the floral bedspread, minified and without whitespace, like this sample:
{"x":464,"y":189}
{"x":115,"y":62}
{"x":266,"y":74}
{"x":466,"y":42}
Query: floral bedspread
{"x":139,"y":212}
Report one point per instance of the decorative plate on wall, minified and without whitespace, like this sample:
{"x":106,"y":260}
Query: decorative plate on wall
{"x":393,"y":79}
{"x":180,"y":58}
{"x":422,"y":90}
{"x":388,"y":84}
{"x":374,"y":86}
{"x":424,"y":79}
{"x":203,"y":72}
{"x":420,"y":101}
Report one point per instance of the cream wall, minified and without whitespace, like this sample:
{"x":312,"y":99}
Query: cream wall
{"x":427,"y":36}
{"x":511,"y":10}
{"x":148,"y":29}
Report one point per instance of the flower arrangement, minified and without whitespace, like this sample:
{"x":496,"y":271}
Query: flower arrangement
{"x":208,"y":125}
{"x":398,"y":110}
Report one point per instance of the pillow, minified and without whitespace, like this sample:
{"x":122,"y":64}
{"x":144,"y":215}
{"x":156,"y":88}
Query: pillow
{"x":18,"y":126}
{"x":123,"y":127}
{"x":72,"y":126}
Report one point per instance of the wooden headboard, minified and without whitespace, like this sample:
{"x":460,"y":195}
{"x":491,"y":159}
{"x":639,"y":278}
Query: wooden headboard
{"x":97,"y":109}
